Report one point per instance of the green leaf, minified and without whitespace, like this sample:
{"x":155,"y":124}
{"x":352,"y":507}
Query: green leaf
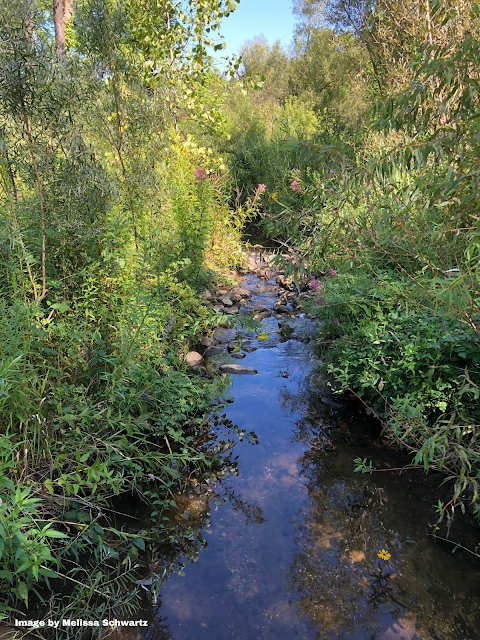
{"x":52,"y":533}
{"x":61,"y":306}
{"x":22,"y":591}
{"x":8,"y":484}
{"x":47,"y":573}
{"x":140,"y":543}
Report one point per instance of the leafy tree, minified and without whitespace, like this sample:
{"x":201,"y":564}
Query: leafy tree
{"x":271,"y":62}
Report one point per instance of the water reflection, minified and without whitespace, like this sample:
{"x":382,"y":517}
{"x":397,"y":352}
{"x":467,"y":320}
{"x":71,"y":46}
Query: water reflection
{"x":339,"y":582}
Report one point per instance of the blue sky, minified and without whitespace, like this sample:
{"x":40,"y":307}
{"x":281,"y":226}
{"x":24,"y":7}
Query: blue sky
{"x":273,"y":18}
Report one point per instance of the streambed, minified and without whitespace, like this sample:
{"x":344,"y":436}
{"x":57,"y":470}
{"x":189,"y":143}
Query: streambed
{"x":293,"y":546}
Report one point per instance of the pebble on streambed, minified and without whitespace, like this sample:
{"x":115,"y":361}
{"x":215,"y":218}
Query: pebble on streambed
{"x":192,"y":359}
{"x":237,"y":369}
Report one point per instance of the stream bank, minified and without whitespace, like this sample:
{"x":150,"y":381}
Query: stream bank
{"x":299,"y":545}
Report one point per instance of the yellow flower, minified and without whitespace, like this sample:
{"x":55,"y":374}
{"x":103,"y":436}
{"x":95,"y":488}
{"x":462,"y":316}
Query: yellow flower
{"x":384,"y":555}
{"x":192,"y":198}
{"x":274,"y":195}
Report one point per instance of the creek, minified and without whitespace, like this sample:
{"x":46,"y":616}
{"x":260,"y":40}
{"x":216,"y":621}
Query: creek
{"x":294,"y":536}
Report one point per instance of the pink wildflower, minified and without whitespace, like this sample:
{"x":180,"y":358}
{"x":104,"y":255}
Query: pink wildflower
{"x":151,"y":476}
{"x":200,"y":174}
{"x":295,"y":186}
{"x":337,"y":323}
{"x":261,"y":188}
{"x":315,"y":285}
{"x":333,"y":272}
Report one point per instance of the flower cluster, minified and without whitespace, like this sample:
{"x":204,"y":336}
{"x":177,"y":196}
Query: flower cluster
{"x":168,"y":328}
{"x":295,"y":186}
{"x":200,"y":174}
{"x":333,"y":272}
{"x":316,"y":287}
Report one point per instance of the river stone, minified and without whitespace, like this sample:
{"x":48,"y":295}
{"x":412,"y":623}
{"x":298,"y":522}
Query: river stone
{"x":245,"y":293}
{"x":235,"y":296}
{"x":231,"y":310}
{"x":282,"y":282}
{"x":249,"y":349}
{"x":226,"y":301}
{"x":331,"y":403}
{"x":237,"y":344}
{"x":192,"y":359}
{"x":206,"y":341}
{"x":238,"y":355}
{"x":260,"y":316}
{"x":259,"y":309}
{"x":241,"y":303}
{"x":324,"y":384}
{"x":354,"y":498}
{"x":238,"y":369}
{"x":281,"y":308}
{"x":213,"y":351}
{"x":219,"y":308}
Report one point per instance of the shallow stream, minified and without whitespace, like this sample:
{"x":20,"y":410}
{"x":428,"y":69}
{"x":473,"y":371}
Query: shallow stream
{"x":293,"y":547}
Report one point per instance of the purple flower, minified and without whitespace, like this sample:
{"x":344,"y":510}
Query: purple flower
{"x":333,"y":272}
{"x":315,"y":284}
{"x":200,"y":174}
{"x":337,"y":323}
{"x":151,"y":476}
{"x":144,"y":395}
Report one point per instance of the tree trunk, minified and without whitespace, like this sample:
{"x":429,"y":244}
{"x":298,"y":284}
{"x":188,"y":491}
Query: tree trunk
{"x":59,"y":26}
{"x":29,"y":21}
{"x":67,"y":11}
{"x":428,"y":17}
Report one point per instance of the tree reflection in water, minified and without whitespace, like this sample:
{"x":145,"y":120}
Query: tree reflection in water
{"x":337,"y":579}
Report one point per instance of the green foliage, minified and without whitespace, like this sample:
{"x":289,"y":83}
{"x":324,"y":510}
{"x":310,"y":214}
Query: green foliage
{"x":272,"y":63}
{"x":395,"y":212}
{"x":25,"y":543}
{"x":113,"y":217}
